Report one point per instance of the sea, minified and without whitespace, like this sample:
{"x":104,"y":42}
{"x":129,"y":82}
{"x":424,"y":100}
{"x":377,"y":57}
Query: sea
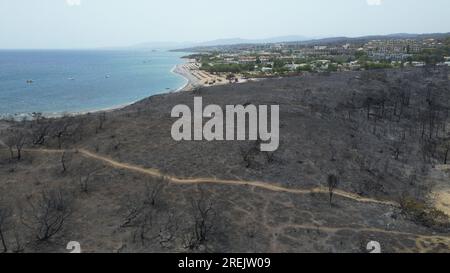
{"x":56,"y":82}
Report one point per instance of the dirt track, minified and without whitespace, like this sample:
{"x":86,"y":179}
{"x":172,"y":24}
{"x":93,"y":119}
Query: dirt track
{"x":420,"y":239}
{"x":193,"y":181}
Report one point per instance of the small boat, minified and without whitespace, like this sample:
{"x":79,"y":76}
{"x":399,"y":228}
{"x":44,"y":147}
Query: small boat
{"x":71,"y":79}
{"x":29,"y":81}
{"x":107,"y":76}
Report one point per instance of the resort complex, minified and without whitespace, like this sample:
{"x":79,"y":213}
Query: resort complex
{"x":234,"y":63}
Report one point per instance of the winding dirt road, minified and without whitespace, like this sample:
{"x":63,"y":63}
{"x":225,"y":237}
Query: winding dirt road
{"x":423,"y":242}
{"x":188,"y":181}
{"x":256,"y":184}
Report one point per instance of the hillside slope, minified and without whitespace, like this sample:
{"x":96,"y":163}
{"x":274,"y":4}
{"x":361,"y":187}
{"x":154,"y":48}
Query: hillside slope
{"x":129,"y":187}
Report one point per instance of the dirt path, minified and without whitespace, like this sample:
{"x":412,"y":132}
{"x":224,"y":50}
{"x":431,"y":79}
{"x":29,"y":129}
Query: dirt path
{"x":440,"y":194}
{"x":192,"y":181}
{"x":423,"y":242}
{"x":443,"y":201}
{"x":256,"y":184}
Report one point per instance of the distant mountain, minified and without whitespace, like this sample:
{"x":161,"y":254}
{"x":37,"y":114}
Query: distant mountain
{"x":219,"y":42}
{"x":162,"y":45}
{"x":236,"y":41}
{"x":231,"y":41}
{"x":282,"y":39}
{"x":363,"y":39}
{"x":191,"y":46}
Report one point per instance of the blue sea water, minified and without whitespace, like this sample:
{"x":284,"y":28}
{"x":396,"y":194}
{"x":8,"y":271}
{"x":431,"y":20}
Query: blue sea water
{"x":84,"y":80}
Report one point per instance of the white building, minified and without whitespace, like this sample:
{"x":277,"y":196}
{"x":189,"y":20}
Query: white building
{"x":418,"y":64}
{"x":292,"y":67}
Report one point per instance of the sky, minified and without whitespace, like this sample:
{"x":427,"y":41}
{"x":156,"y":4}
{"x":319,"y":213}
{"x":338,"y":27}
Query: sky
{"x":111,"y":23}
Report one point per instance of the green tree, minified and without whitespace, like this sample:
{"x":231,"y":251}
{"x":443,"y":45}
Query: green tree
{"x":304,"y":68}
{"x":332,"y":68}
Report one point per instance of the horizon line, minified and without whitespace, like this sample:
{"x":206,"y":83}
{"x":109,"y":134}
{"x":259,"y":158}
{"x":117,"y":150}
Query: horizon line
{"x":193,"y":43}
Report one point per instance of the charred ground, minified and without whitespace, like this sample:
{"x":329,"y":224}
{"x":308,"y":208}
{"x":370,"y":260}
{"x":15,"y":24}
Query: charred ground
{"x":384,"y":135}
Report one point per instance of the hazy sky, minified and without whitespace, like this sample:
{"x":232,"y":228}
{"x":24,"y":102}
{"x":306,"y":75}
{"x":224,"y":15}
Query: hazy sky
{"x":99,"y":23}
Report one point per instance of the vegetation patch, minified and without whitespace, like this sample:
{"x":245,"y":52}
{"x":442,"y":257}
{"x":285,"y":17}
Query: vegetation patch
{"x":424,"y":214}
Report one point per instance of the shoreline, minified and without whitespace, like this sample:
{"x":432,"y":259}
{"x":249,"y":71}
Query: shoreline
{"x":183,"y":71}
{"x":189,"y":71}
{"x":174,"y":71}
{"x":197,"y":78}
{"x":21,"y":116}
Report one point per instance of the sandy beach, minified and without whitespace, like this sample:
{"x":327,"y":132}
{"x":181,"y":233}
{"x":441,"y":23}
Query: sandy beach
{"x":196,"y":77}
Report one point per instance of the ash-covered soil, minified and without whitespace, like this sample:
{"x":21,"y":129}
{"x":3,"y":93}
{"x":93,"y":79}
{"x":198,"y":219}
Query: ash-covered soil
{"x":383,"y":134}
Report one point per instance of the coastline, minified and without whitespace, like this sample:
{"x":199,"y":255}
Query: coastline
{"x":196,"y":77}
{"x":187,"y":86}
{"x":175,"y":70}
{"x":191,"y":81}
{"x":21,"y":116}
{"x":84,"y":92}
{"x":189,"y":71}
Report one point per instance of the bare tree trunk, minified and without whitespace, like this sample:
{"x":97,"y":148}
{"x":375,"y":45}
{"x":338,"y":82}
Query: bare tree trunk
{"x":333,"y":182}
{"x":2,"y":238}
{"x":59,"y":142}
{"x":11,"y":152}
{"x":63,"y":162}
{"x":4,"y":215}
